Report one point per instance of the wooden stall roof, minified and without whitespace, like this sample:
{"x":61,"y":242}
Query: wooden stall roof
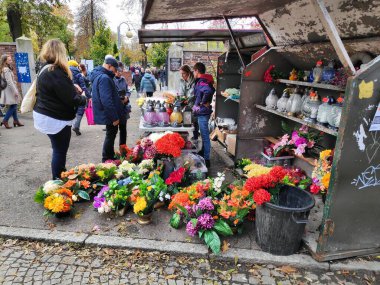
{"x":287,"y":21}
{"x":246,"y":38}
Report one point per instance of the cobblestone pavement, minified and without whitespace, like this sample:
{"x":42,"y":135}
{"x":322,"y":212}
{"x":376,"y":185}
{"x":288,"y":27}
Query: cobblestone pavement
{"x":23,"y":262}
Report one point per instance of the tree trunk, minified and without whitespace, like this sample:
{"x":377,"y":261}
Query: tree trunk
{"x":92,"y":18}
{"x":145,"y":59}
{"x":14,"y":21}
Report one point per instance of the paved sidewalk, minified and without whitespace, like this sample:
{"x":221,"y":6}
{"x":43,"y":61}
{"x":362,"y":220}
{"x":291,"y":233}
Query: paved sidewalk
{"x":38,"y":263}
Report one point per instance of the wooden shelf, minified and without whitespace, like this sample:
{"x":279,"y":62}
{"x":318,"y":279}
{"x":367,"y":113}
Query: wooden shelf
{"x":311,"y":125}
{"x":309,"y":160}
{"x":311,"y":84}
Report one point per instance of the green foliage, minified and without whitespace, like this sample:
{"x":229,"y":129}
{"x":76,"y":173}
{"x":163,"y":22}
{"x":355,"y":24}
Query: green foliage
{"x":212,"y":240}
{"x":175,"y":221}
{"x":101,"y":43}
{"x":157,"y":53}
{"x":5,"y":34}
{"x":84,"y":195}
{"x":39,"y":197}
{"x":223,"y":228}
{"x":115,"y":50}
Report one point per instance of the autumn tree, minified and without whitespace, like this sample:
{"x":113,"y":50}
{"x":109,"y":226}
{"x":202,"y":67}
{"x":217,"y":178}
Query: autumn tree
{"x":157,"y":53}
{"x":101,"y":42}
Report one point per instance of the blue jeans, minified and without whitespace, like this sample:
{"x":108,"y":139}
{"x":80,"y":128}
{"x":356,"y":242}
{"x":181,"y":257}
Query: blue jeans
{"x":60,"y":143}
{"x":205,"y":134}
{"x":12,"y":112}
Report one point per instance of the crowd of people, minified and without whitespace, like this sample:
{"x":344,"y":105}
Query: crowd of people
{"x":64,"y":88}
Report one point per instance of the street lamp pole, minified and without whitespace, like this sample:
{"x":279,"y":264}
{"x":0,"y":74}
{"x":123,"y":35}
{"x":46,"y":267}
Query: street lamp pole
{"x":129,"y":35}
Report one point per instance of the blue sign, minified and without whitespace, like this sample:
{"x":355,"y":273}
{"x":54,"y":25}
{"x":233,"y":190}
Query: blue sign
{"x":22,"y":66}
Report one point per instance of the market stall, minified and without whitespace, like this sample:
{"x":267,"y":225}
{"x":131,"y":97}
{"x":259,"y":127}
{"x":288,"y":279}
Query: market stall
{"x":304,"y":33}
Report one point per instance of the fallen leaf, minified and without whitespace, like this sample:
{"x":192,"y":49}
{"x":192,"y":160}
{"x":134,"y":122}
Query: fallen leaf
{"x":77,"y":215}
{"x":225,"y":246}
{"x":171,"y":276}
{"x":288,"y":269}
{"x":108,"y":251}
{"x":236,"y":260}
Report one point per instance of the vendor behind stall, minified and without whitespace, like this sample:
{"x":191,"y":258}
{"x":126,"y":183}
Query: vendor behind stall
{"x":186,"y":89}
{"x":203,"y":91}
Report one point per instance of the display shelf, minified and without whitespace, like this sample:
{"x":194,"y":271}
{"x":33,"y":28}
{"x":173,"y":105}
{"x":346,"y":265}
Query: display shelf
{"x":235,"y":100}
{"x":309,"y":160}
{"x":312,"y":84}
{"x":164,"y":129}
{"x":311,"y":125}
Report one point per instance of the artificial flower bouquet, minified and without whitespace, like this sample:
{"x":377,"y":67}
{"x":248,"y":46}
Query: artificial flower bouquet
{"x":150,"y":191}
{"x":296,"y":141}
{"x":234,"y":207}
{"x":55,"y":199}
{"x":254,"y":170}
{"x":202,"y":220}
{"x":170,"y":145}
{"x":322,"y":172}
{"x":105,"y":172}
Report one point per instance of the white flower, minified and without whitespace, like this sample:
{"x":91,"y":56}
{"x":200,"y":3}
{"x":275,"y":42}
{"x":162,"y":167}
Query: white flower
{"x":74,"y":197}
{"x":119,"y":174}
{"x":126,"y":166}
{"x":101,"y":210}
{"x":167,"y":196}
{"x":110,"y":204}
{"x":51,"y":186}
{"x":161,"y":199}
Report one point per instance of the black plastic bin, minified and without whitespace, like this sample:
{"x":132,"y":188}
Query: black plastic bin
{"x":279,"y":228}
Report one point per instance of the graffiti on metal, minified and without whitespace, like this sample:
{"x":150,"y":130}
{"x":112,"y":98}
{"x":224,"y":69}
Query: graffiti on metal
{"x":368,"y":178}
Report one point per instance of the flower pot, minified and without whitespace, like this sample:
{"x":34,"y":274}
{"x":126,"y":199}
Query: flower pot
{"x":279,"y":228}
{"x":122,"y":211}
{"x":62,"y":215}
{"x":145,"y":219}
{"x":159,"y":205}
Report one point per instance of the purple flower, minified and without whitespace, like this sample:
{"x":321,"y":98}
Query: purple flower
{"x":146,"y":142}
{"x":191,"y":230}
{"x":206,"y":221}
{"x":99,"y":199}
{"x":295,"y":136}
{"x":300,"y":149}
{"x":300,"y":140}
{"x":190,"y":211}
{"x":206,"y":204}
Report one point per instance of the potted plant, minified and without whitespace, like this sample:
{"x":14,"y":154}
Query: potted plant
{"x":149,"y":193}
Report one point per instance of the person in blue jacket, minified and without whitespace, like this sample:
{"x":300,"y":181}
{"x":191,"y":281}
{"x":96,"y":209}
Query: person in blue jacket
{"x":124,"y":94}
{"x":107,"y":106}
{"x":203,"y":92}
{"x":148,"y":83}
{"x":79,"y":80}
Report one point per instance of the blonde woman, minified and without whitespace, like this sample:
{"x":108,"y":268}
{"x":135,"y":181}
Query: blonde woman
{"x":10,"y":95}
{"x":57,"y":102}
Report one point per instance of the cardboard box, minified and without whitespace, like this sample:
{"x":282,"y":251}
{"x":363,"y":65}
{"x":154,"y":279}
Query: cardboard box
{"x":231,"y":143}
{"x":220,"y":135}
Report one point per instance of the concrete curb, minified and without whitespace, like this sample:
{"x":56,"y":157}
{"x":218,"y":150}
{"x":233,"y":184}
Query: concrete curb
{"x":42,"y":235}
{"x":244,"y":255}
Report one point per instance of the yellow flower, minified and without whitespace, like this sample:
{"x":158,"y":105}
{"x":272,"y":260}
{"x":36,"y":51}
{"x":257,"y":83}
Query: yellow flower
{"x":55,"y":203}
{"x":324,"y":154}
{"x":140,"y":205}
{"x":254,"y":170}
{"x":326,"y":180}
{"x":149,"y":188}
{"x":100,"y":173}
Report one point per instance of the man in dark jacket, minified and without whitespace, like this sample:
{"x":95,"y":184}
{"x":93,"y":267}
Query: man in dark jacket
{"x":79,"y":80}
{"x":137,"y":80}
{"x":107,"y":106}
{"x":203,"y":92}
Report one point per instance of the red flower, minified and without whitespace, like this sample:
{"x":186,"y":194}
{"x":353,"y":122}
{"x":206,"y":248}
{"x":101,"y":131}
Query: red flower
{"x":170,"y":144}
{"x":278,"y":173}
{"x":314,"y":189}
{"x":176,"y":176}
{"x":263,"y":181}
{"x":261,"y":196}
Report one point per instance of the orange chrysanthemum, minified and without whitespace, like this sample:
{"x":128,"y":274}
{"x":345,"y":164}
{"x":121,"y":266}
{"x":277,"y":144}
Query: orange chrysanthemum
{"x":86,"y":184}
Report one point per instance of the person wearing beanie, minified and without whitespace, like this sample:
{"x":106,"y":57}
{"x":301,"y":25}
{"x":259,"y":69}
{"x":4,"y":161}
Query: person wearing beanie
{"x":107,"y":106}
{"x":79,"y":80}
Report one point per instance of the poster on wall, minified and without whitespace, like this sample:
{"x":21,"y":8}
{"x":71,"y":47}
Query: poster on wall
{"x":22,"y":67}
{"x":175,"y":64}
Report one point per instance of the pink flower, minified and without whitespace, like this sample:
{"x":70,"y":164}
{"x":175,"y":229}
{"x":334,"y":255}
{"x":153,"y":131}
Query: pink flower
{"x":301,"y":140}
{"x":310,"y":144}
{"x":300,"y":149}
{"x":304,"y":129}
{"x":295,"y":136}
{"x":283,"y":142}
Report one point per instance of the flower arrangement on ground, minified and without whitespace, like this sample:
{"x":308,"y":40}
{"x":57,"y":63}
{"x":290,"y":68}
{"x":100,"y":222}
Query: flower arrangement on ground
{"x":233,"y":208}
{"x":176,"y":179}
{"x":150,"y":191}
{"x":266,"y":187}
{"x":105,"y":172}
{"x":254,"y":170}
{"x":201,"y":220}
{"x":322,"y":172}
{"x":170,"y":145}
{"x":297,"y":141}
{"x":55,"y":199}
